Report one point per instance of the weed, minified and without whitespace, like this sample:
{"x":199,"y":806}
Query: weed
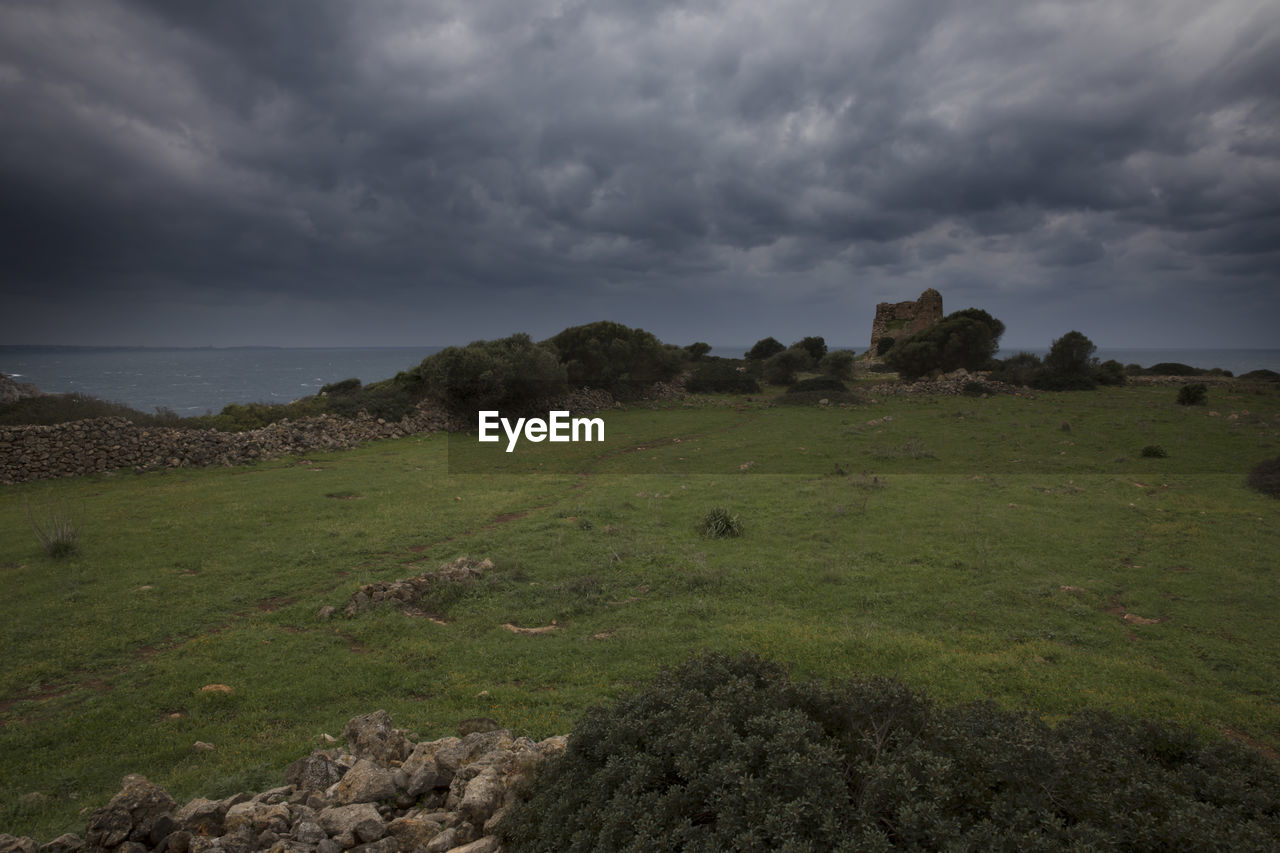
{"x":59,"y":532}
{"x":1154,"y":451}
{"x":720,"y":523}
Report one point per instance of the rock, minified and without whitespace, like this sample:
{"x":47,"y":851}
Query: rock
{"x":471,"y":748}
{"x":202,"y":817}
{"x":413,"y":833}
{"x":217,"y":688}
{"x":385,"y":845}
{"x":309,"y":832}
{"x":201,"y":746}
{"x":66,"y":843}
{"x":17,"y":844}
{"x":130,"y":815}
{"x":361,"y":820}
{"x":472,"y":725}
{"x":325,"y":613}
{"x":316,"y":772}
{"x":373,"y":736}
{"x":483,"y":796}
{"x":444,"y":842}
{"x":366,"y":782}
{"x":488,"y":844}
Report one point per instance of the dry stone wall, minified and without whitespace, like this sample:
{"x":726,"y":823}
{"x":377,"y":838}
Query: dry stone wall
{"x":109,"y":444}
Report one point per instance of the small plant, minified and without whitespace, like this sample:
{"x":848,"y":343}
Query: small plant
{"x":1265,"y":477}
{"x":1195,"y":394}
{"x":719,"y":523}
{"x":59,"y":532}
{"x":1154,"y":451}
{"x":585,"y":524}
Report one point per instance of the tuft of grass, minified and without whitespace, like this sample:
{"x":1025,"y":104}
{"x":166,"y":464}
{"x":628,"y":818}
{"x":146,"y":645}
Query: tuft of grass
{"x":58,"y":530}
{"x":1154,"y":451}
{"x":719,"y":523}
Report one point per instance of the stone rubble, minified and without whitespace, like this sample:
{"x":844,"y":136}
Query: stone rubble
{"x":405,"y":593}
{"x":383,"y":793}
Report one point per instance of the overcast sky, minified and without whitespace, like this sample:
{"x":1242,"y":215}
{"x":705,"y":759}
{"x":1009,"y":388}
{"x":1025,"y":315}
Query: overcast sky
{"x":421,"y":173}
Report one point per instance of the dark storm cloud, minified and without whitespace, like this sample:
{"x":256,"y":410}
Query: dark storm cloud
{"x":447,"y":155}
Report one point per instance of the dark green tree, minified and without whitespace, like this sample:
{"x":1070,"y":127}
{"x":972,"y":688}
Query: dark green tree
{"x":697,"y":351}
{"x":616,"y":358}
{"x":764,"y":348}
{"x":512,"y":374}
{"x":815,"y":346}
{"x":965,"y":339}
{"x":1070,"y":364}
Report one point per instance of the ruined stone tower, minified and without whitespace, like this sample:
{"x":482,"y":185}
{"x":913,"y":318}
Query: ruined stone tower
{"x":898,"y":320}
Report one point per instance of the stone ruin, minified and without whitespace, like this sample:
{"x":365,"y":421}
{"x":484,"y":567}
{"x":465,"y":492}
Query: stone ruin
{"x":898,"y":320}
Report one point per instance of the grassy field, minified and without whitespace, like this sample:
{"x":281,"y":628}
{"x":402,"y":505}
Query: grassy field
{"x":1017,"y":549}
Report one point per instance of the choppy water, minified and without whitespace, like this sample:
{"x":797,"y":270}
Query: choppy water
{"x":195,"y":381}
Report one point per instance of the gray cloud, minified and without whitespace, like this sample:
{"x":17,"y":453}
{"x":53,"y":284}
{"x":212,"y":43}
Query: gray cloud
{"x":652,"y":162}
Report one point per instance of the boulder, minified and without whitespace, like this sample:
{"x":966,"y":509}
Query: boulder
{"x":131,"y":815}
{"x":373,"y":736}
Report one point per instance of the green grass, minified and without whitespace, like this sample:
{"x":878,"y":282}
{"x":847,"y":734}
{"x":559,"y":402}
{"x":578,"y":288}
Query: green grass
{"x":971,"y":547}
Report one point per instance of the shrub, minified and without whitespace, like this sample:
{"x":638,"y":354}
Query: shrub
{"x":838,"y":364}
{"x":764,"y":348}
{"x":1195,"y":394}
{"x":721,"y":377}
{"x":817,"y":383}
{"x":781,"y":368}
{"x":618,"y":359}
{"x":1070,"y":365}
{"x":1265,"y":477}
{"x":50,"y":409}
{"x":1110,"y":372}
{"x":967,"y":339}
{"x":728,"y":753}
{"x":697,"y":351}
{"x":507,"y":374}
{"x":1154,"y":451}
{"x":389,"y":399}
{"x":815,"y":346}
{"x":58,"y":532}
{"x":1263,"y":375}
{"x":884,"y":345}
{"x":1172,"y":368}
{"x":346,"y":387}
{"x":719,"y":523}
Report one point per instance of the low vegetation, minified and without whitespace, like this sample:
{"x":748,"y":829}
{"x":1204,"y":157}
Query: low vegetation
{"x":971,"y":547}
{"x":730,"y":753}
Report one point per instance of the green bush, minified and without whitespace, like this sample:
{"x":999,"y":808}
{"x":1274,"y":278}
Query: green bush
{"x":817,"y":383}
{"x":719,"y":523}
{"x":815,"y":346}
{"x":1154,"y":451}
{"x":781,"y":368}
{"x":345,"y":387}
{"x":968,"y":339}
{"x":1262,"y":375}
{"x":613,"y":357}
{"x":509,"y":374}
{"x":764,"y":348}
{"x":729,"y":753}
{"x":697,"y":351}
{"x":1172,"y":368}
{"x":1110,"y":372}
{"x":838,"y":364}
{"x":884,"y":345}
{"x":721,"y":377}
{"x":1019,"y":369}
{"x":61,"y":408}
{"x":1069,"y":366}
{"x":1195,"y":394}
{"x":1265,"y":477}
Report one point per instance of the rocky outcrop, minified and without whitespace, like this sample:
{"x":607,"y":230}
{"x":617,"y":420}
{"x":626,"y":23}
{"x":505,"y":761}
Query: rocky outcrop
{"x":383,"y":793}
{"x":11,"y":391}
{"x":899,"y":320}
{"x":409,"y":593}
{"x":108,"y":444}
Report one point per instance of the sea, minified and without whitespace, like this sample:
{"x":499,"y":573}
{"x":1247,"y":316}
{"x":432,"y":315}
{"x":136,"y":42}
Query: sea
{"x":199,"y":380}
